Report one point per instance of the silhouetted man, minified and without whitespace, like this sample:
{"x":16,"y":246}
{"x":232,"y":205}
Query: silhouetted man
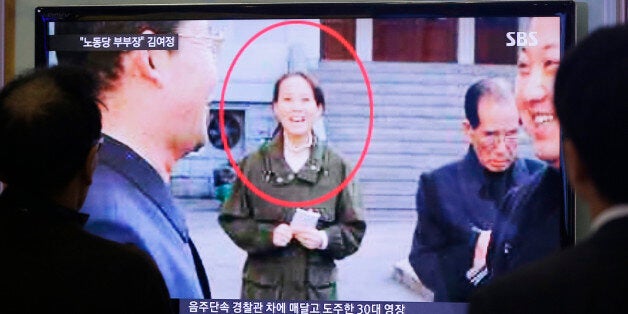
{"x":457,"y":203}
{"x":591,"y":102}
{"x":49,"y":137}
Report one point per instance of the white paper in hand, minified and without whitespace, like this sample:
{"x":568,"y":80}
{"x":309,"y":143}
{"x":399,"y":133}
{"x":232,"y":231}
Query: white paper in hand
{"x":304,"y":219}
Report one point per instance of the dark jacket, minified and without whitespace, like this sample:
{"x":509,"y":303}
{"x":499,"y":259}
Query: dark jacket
{"x":454,"y":202}
{"x":50,"y":264}
{"x":591,"y":277}
{"x":292,"y":272}
{"x":128,"y":202}
{"x":530,"y":228}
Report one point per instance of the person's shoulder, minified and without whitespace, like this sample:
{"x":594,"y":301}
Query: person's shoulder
{"x":335,"y":156}
{"x":254,"y":160}
{"x":530,"y":165}
{"x":121,"y":169}
{"x":542,"y":183}
{"x":447,"y":169}
{"x":127,"y":270}
{"x":445,"y":172}
{"x":128,"y":258}
{"x":81,"y":270}
{"x":108,"y":180}
{"x":117,"y":209}
{"x":108,"y":194}
{"x":256,"y":155}
{"x":528,"y":185}
{"x":111,"y":192}
{"x":268,"y":149}
{"x":105,"y":248}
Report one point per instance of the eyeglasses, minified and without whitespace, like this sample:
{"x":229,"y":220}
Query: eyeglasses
{"x":492,"y":138}
{"x":214,"y":40}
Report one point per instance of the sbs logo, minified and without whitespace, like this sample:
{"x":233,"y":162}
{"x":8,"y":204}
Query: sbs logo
{"x":521,"y":39}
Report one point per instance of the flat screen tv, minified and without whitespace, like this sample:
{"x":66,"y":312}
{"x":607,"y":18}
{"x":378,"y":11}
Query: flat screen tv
{"x":438,"y":114}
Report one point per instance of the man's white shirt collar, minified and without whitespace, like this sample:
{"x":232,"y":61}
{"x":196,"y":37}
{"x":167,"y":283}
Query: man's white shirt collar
{"x":611,"y":213}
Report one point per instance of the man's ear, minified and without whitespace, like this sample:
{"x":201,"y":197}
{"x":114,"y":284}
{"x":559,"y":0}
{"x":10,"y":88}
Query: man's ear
{"x":90,"y":165}
{"x":467,"y":129}
{"x":148,"y":63}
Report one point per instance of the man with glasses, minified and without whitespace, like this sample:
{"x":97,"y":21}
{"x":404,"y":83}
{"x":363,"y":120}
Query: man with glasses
{"x":154,"y":107}
{"x":457,"y":203}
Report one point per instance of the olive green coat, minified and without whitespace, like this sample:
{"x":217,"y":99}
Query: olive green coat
{"x":292,"y":272}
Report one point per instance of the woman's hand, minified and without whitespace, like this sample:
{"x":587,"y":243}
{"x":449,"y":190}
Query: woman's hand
{"x":310,"y":238}
{"x":282,"y":235}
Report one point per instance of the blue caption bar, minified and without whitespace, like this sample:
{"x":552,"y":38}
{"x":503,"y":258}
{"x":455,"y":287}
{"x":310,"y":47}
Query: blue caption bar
{"x":316,"y":307}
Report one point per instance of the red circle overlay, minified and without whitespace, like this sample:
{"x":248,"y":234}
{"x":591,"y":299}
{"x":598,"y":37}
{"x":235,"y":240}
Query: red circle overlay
{"x":223,"y":134}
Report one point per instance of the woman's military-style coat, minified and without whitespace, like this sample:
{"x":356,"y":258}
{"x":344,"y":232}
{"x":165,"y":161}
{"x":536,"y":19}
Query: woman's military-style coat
{"x":292,"y":272}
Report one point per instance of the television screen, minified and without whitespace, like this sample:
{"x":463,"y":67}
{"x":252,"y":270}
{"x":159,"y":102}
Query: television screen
{"x":325,"y":157}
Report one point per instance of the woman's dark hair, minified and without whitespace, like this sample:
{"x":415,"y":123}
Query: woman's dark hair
{"x":319,"y":97}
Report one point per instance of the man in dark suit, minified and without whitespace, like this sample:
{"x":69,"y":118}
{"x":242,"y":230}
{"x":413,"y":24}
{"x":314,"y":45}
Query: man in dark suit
{"x":49,"y":137}
{"x":592,"y":277}
{"x":154,"y":107}
{"x":457,"y":203}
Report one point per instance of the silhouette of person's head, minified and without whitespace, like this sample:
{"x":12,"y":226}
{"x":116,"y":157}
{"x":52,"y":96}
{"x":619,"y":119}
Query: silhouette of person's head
{"x":49,"y":130}
{"x":591,"y":101}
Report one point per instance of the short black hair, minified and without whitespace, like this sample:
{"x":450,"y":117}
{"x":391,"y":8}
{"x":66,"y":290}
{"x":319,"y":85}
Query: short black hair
{"x":49,"y":121}
{"x":106,"y":64}
{"x":495,"y":87}
{"x":591,"y":99}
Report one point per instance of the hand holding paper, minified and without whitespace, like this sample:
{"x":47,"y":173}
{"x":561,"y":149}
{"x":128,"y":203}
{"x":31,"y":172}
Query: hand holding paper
{"x":304,"y":227}
{"x":310,"y":238}
{"x":282,"y":235}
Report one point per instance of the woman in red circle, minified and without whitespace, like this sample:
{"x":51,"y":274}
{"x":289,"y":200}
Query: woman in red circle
{"x":291,"y":251}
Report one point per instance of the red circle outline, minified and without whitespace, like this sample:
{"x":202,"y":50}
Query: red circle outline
{"x":223,"y":135}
